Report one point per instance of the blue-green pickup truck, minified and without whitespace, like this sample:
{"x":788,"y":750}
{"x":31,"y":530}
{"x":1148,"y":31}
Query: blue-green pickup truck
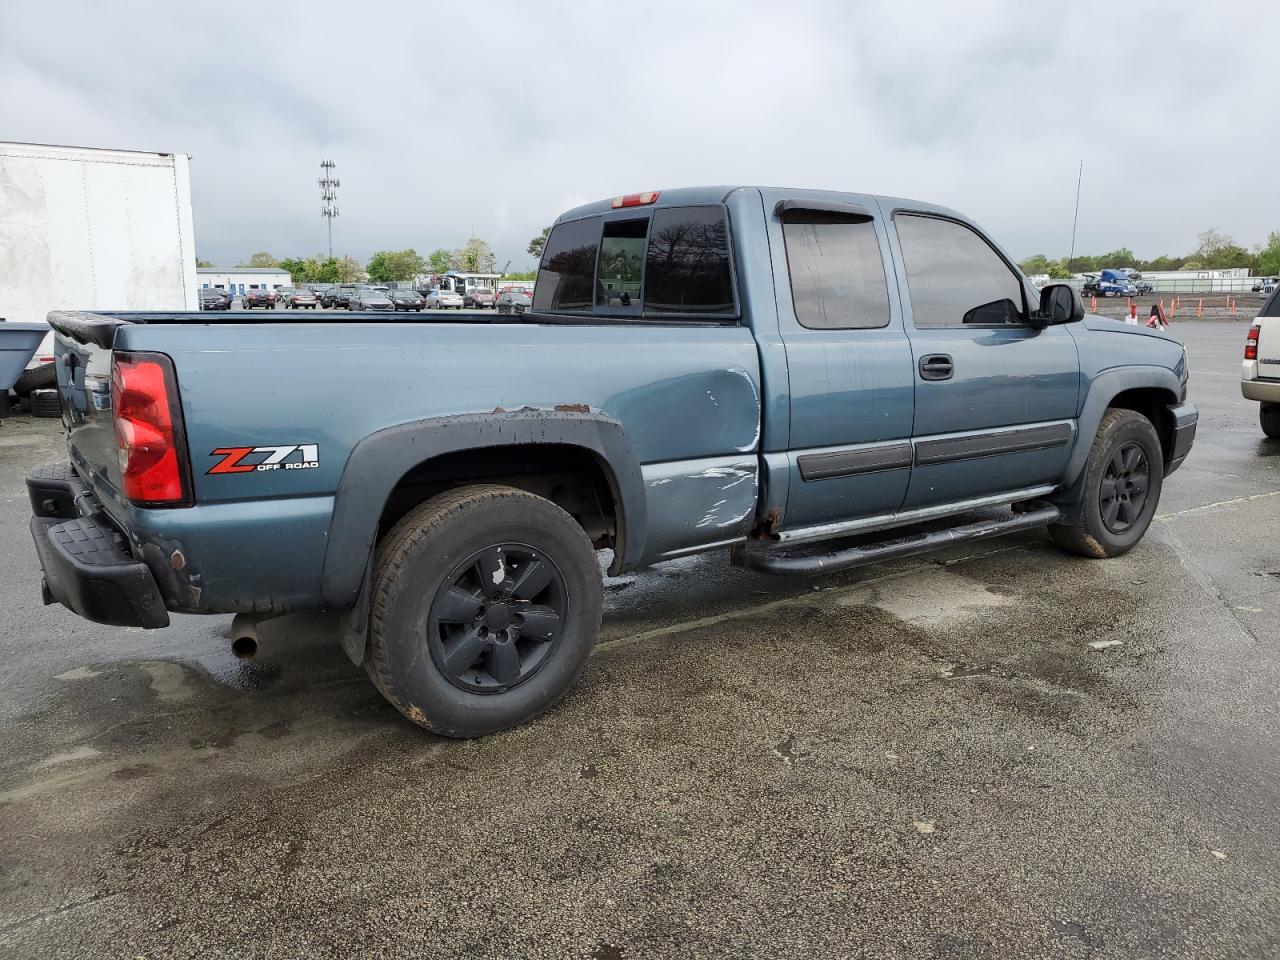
{"x":806,"y":380}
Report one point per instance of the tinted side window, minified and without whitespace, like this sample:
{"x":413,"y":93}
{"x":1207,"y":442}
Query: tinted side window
{"x":954,"y":276}
{"x":567,"y":273}
{"x":687,"y":267}
{"x":837,"y":275}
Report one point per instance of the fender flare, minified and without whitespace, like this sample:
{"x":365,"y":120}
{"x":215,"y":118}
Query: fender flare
{"x":1102,"y":389}
{"x":378,"y":461}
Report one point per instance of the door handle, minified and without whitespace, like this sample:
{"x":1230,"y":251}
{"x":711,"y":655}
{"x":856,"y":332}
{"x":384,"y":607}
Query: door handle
{"x":936,"y":366}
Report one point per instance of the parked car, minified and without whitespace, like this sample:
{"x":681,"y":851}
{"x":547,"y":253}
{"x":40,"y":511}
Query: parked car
{"x":1260,"y":375}
{"x":1109,"y":283}
{"x":406,"y":299}
{"x":367,"y":298}
{"x":212,"y":298}
{"x":441,"y":299}
{"x":300,"y":298}
{"x":1143,"y":287}
{"x":450,"y":529}
{"x":514,"y":300}
{"x":337,"y":296}
{"x":258,"y":298}
{"x":1267,"y":287}
{"x":479,"y":298}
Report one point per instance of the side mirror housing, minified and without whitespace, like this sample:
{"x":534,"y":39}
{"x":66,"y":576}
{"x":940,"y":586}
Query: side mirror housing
{"x":1059,"y":303}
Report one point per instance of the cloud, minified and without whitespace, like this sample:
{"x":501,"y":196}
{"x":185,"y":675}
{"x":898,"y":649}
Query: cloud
{"x":493,"y":117}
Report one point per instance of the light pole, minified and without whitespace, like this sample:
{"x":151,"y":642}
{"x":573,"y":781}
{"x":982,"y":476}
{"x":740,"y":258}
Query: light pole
{"x":329,"y":197}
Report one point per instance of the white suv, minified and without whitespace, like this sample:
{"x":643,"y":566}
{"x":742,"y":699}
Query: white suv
{"x":1260,"y":376}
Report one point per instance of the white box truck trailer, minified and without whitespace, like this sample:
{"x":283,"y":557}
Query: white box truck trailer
{"x":83,"y":228}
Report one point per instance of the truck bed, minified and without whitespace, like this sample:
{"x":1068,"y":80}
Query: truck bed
{"x":687,"y":398}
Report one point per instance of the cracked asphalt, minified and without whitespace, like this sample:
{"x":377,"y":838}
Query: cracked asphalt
{"x":997,"y":751}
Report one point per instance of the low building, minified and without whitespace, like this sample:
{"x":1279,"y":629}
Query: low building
{"x":236,"y":280}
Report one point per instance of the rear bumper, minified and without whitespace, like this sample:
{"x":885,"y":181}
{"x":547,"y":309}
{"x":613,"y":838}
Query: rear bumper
{"x":1265,"y":391}
{"x":1185,"y":418}
{"x":86,"y":562}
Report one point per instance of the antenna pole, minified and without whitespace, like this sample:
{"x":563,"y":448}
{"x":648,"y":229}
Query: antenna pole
{"x":1076,"y":218}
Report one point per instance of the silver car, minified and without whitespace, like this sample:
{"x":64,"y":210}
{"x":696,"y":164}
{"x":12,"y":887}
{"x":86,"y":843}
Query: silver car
{"x":366,"y":298}
{"x":440,"y":299}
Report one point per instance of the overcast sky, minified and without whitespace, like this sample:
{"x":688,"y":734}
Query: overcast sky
{"x":449,"y":119}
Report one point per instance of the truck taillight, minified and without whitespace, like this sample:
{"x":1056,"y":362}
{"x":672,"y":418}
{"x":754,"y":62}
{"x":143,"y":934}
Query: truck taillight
{"x":1251,"y":342}
{"x":150,"y":438}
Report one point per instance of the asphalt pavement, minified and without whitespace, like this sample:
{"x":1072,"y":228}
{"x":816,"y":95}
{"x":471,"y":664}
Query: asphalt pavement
{"x":1000,"y":751}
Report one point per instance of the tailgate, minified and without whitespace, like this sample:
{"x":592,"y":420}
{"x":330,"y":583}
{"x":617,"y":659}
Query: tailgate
{"x":82,"y":348}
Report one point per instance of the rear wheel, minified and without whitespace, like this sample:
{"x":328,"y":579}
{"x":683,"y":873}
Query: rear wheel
{"x":1269,"y":416}
{"x":486,"y":604}
{"x":1122,"y":483}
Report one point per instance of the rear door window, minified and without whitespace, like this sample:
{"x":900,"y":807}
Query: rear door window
{"x":837,"y":273}
{"x":567,"y":274}
{"x":687,"y":269}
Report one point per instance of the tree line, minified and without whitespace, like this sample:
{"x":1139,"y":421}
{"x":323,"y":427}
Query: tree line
{"x":385,"y":266}
{"x":1214,"y":251}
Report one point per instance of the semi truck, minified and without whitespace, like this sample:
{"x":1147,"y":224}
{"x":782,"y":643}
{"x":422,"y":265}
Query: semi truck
{"x":88,"y":226}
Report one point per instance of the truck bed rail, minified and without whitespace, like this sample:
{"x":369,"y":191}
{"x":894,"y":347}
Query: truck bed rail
{"x":99,"y":327}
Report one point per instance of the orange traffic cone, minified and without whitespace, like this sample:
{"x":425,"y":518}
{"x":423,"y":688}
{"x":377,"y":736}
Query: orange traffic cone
{"x":1093,"y":303}
{"x":1133,"y":310}
{"x":1199,"y":308}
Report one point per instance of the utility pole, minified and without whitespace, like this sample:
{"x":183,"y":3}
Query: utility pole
{"x":329,"y":197}
{"x":1075,"y":219}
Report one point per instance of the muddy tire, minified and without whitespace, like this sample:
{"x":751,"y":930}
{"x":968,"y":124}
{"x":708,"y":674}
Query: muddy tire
{"x":1122,"y":483}
{"x":1269,"y":418}
{"x":485,"y":606}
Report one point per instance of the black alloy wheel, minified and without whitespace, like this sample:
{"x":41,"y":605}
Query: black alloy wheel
{"x":1125,"y":484}
{"x":498,"y":618}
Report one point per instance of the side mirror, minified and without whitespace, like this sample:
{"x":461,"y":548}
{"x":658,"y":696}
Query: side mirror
{"x":1059,"y":303}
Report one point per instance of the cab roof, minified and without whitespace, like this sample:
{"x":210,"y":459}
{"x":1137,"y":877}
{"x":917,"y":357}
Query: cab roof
{"x":691,"y":196}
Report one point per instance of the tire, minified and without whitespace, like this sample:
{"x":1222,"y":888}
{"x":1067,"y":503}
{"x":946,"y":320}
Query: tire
{"x":37,"y":378}
{"x":1123,"y":446}
{"x":44,"y":403}
{"x":1269,"y":418}
{"x":426,"y":559}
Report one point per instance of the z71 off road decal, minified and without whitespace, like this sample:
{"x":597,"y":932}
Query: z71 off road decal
{"x":296,"y":456}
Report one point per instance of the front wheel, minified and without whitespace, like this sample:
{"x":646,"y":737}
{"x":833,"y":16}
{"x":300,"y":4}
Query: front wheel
{"x":486,"y":603}
{"x":1122,"y":483}
{"x":1269,"y":417}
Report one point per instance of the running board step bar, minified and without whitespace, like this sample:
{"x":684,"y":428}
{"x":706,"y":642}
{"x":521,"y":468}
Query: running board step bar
{"x":755,"y":555}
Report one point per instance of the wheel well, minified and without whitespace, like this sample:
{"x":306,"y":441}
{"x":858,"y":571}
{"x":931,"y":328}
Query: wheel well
{"x":1153,"y":403}
{"x":573,"y":478}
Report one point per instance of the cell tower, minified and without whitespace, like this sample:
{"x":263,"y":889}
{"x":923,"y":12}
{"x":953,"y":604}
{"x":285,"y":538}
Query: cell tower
{"x":329,"y":195}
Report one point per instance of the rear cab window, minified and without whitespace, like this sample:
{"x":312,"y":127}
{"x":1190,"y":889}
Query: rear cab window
{"x":667,"y":265}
